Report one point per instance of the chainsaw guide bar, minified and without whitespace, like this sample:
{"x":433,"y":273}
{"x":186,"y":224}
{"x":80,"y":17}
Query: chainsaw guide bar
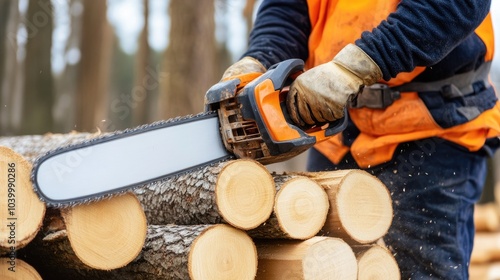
{"x":118,"y":162}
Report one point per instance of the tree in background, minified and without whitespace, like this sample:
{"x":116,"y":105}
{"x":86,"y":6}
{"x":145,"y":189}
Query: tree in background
{"x":93,"y":78}
{"x":190,"y":59}
{"x":38,"y":82}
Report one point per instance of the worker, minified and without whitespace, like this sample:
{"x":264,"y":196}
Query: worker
{"x":423,"y":117}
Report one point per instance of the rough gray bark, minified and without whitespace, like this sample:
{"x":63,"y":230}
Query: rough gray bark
{"x":201,"y":197}
{"x":33,"y":146}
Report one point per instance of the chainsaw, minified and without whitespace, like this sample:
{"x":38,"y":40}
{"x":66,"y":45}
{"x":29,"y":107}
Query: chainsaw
{"x":244,"y":117}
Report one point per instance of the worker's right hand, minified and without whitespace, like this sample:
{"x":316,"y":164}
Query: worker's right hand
{"x":320,"y":94}
{"x":243,"y":66}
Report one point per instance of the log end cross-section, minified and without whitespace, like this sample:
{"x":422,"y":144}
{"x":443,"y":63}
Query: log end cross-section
{"x":107,"y":234}
{"x":222,"y":252}
{"x":21,"y":211}
{"x":245,"y":193}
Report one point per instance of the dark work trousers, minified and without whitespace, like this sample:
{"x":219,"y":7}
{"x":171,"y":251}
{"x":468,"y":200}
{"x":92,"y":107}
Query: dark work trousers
{"x":434,"y":185}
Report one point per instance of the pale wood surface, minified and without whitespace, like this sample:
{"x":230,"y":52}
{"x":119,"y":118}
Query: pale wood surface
{"x":316,"y":258}
{"x":300,"y":209}
{"x":108,"y":234}
{"x":17,"y":269}
{"x":360,"y":205}
{"x":21,"y":211}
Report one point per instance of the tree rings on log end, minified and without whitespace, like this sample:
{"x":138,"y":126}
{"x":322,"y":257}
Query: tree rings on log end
{"x":329,"y":258}
{"x":245,"y":193}
{"x":301,"y":208}
{"x":17,"y":270}
{"x":377,"y":263}
{"x":107,"y":234}
{"x":364,"y":207}
{"x":21,"y":209}
{"x":222,"y":252}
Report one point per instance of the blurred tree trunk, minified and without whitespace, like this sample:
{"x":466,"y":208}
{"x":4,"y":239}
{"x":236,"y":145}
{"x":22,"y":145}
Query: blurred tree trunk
{"x":38,"y":83}
{"x":4,"y":20}
{"x":13,"y":76}
{"x":248,"y":15}
{"x":190,"y":59}
{"x":144,"y":83}
{"x":93,"y":79}
{"x":65,"y":82}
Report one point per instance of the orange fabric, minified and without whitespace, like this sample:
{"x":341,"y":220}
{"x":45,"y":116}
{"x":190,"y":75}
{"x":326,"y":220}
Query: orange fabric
{"x":369,"y":150}
{"x":336,"y":23}
{"x":485,"y":32}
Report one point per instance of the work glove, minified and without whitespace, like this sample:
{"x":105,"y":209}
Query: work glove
{"x":320,"y":94}
{"x":243,"y":66}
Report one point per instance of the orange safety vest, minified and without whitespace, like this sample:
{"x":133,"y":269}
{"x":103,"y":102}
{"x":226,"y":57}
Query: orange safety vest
{"x":338,"y":23}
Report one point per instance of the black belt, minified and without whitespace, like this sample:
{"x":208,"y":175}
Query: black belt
{"x":380,"y":96}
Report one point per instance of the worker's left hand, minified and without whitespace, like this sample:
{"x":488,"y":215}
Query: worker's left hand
{"x":320,"y":94}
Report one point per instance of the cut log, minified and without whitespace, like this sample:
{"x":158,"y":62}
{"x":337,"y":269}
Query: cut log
{"x":239,"y":192}
{"x":487,"y":217}
{"x":107,"y":234}
{"x":486,"y":247}
{"x":316,"y":258}
{"x":15,"y":269}
{"x":376,"y":263}
{"x":300,"y":209}
{"x":360,"y":205}
{"x":21,"y":211}
{"x":489,"y":271}
{"x":170,"y":252}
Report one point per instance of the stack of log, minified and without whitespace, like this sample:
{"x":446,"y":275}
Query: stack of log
{"x":485,"y":258}
{"x":229,"y":220}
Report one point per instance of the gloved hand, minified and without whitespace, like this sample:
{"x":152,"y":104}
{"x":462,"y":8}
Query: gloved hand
{"x":321,"y":93}
{"x":243,"y":66}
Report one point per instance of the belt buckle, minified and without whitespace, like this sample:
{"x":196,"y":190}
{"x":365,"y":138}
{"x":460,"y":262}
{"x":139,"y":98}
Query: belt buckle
{"x":376,"y":96}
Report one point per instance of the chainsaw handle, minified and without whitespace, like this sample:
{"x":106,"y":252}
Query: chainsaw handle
{"x":264,"y":100}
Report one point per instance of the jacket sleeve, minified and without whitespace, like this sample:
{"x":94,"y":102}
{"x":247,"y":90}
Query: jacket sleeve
{"x":281,"y":32}
{"x":421,"y":33}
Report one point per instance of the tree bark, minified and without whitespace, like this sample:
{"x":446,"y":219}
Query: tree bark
{"x":38,"y":83}
{"x":376,"y":262}
{"x":300,"y":209}
{"x":317,"y":258}
{"x":142,"y":88}
{"x":360,"y":205}
{"x":189,"y":59}
{"x":12,"y":79}
{"x":239,"y":192}
{"x":31,"y":147}
{"x":21,"y":212}
{"x":96,"y":43}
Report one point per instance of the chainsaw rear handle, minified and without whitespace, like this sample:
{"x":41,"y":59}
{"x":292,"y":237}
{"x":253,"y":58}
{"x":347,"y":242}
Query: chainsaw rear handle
{"x":264,"y":101}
